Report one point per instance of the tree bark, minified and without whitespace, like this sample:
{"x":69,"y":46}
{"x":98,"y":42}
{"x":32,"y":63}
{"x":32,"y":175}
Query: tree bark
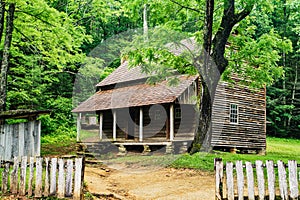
{"x":5,"y":57}
{"x":2,"y":14}
{"x":215,"y":64}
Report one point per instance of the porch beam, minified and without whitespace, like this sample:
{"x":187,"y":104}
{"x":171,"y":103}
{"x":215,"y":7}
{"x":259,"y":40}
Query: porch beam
{"x":78,"y":126}
{"x":101,"y":126}
{"x":114,"y":125}
{"x":141,"y":125}
{"x":171,"y":122}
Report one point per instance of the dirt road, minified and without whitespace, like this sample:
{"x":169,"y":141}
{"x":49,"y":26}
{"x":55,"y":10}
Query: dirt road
{"x":120,"y":181}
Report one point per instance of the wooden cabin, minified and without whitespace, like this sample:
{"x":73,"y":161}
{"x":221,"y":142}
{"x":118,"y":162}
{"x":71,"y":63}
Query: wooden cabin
{"x":127,"y":111}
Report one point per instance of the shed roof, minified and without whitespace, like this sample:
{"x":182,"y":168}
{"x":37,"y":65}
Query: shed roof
{"x":136,"y":95}
{"x":22,"y":114}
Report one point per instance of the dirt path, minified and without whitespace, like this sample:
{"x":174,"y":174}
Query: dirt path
{"x":142,"y":183}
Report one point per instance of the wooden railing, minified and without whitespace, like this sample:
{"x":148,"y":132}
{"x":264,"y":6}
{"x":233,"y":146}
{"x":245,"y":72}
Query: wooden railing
{"x":282,"y":182}
{"x":43,"y":177}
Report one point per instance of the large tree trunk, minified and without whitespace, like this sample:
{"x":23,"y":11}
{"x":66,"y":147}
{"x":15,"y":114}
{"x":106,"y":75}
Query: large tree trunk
{"x":5,"y":57}
{"x":2,"y":14}
{"x":214,"y":65}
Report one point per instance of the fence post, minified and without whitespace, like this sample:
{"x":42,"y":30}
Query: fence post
{"x":260,"y":179}
{"x":240,"y":179}
{"x":22,"y":190}
{"x":271,"y":179}
{"x":69,"y":178}
{"x":61,"y":179}
{"x":5,"y":175}
{"x":219,"y":178}
{"x":14,"y":177}
{"x":293,"y":182}
{"x":38,"y":178}
{"x":78,"y":178}
{"x":282,"y":180}
{"x":53,"y":176}
{"x":47,"y":185}
{"x":30,"y":180}
{"x":250,"y":180}
{"x":229,"y":181}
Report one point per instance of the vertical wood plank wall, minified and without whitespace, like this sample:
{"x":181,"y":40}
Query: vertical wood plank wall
{"x":17,"y":140}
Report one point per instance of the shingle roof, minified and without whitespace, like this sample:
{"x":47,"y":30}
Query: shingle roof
{"x":136,"y":95}
{"x":123,"y":74}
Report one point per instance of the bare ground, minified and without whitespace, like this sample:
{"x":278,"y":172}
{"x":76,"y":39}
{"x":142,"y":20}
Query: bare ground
{"x":134,"y":182}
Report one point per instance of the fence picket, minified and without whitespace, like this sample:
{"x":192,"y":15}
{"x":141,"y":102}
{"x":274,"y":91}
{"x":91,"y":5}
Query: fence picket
{"x":63,"y":188}
{"x":260,"y":179}
{"x":30,"y":180}
{"x":293,"y":182}
{"x":229,"y":181}
{"x":282,"y":180}
{"x":77,"y":181}
{"x":14,"y":177}
{"x":219,"y":178}
{"x":5,"y":175}
{"x":22,"y":190}
{"x":38,"y":178}
{"x":47,"y":185}
{"x":69,"y":178}
{"x":250,"y":181}
{"x":240,"y":179}
{"x":61,"y":179}
{"x":53,"y":176}
{"x":271,"y":179}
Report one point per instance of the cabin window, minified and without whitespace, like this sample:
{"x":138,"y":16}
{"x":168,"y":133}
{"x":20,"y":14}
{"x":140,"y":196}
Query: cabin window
{"x":233,"y":113}
{"x":157,"y":115}
{"x":177,"y":113}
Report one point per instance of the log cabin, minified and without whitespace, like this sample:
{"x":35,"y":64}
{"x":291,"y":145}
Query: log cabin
{"x":127,"y":111}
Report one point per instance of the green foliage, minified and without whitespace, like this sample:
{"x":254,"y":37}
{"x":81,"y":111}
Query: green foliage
{"x":256,"y":60}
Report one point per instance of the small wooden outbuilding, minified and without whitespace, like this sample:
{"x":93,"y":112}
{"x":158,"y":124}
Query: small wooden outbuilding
{"x":20,"y":139}
{"x":128,"y":111}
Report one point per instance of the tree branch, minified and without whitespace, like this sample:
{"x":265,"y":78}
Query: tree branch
{"x":186,"y":7}
{"x":244,"y":13}
{"x":36,"y":16}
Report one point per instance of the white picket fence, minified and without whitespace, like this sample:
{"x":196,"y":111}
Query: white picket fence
{"x":239,"y":180}
{"x":43,"y":177}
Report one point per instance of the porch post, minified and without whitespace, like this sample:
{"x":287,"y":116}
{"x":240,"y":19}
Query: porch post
{"x":101,"y":126}
{"x":141,"y":125}
{"x":78,"y":126}
{"x":114,"y":125}
{"x":171,"y":122}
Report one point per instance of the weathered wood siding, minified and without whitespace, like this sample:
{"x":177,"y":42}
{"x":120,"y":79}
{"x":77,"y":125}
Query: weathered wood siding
{"x":185,"y":125}
{"x":17,"y":140}
{"x":250,"y":131}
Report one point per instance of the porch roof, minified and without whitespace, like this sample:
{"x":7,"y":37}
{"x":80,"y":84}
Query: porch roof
{"x":136,"y":95}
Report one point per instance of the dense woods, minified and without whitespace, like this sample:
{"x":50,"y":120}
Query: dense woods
{"x":44,"y":43}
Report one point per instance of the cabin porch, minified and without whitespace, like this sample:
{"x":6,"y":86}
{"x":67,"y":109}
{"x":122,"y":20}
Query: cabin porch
{"x":154,"y":125}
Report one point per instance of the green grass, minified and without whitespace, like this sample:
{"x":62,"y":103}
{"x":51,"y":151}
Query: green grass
{"x":56,"y":145}
{"x":277,"y":149}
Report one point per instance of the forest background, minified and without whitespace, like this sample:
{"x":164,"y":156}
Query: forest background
{"x":50,"y":41}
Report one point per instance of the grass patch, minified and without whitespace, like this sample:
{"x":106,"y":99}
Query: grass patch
{"x":277,"y":149}
{"x":55,"y":145}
